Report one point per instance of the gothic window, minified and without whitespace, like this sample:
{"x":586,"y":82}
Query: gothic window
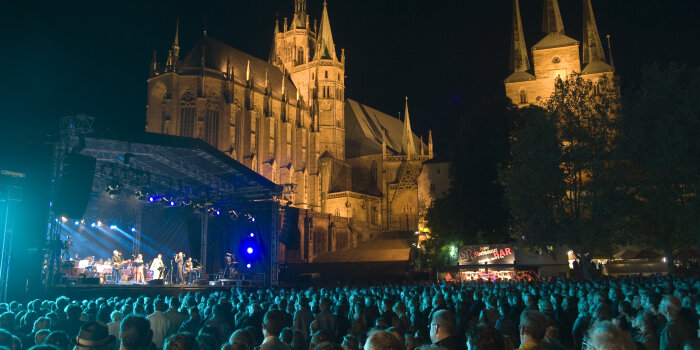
{"x":407,"y":209}
{"x":187,"y":114}
{"x":211,"y":126}
{"x":337,"y":211}
{"x":373,"y":171}
{"x":326,"y":75}
{"x":523,"y":97}
{"x":300,"y":56}
{"x":432,"y":187}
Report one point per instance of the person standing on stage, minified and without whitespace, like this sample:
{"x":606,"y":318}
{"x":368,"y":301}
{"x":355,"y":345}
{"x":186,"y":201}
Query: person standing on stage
{"x":138,"y":269}
{"x":179,"y":261}
{"x":117,"y":261}
{"x":188,"y":270}
{"x":157,"y":266}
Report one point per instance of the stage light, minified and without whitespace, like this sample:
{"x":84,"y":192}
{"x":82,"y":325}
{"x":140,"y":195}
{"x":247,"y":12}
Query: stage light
{"x":113,"y":227}
{"x":133,"y":229}
{"x":93,"y":224}
{"x":249,"y":250}
{"x":248,"y":265}
{"x":172,"y":204}
{"x":77,"y":223}
{"x":151,"y":199}
{"x":64,"y":219}
{"x":99,"y":223}
{"x":252,"y":235}
{"x":217,"y":212}
{"x":252,"y":219}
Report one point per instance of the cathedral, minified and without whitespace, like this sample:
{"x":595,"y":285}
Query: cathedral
{"x":288,"y":119}
{"x":555,"y":55}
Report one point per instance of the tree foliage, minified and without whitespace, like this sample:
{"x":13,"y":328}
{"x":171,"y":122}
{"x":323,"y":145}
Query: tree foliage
{"x":661,"y":147}
{"x":561,"y":184}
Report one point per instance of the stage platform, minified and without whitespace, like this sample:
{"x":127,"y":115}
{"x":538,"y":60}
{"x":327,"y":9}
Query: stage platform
{"x":86,"y":291}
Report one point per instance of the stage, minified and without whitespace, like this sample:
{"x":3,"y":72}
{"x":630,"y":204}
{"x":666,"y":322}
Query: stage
{"x":85,"y":289}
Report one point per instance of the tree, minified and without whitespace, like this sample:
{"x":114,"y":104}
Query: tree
{"x":660,"y":142}
{"x":561,"y":183}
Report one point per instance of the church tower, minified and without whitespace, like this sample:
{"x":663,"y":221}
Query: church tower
{"x":309,"y":57}
{"x":555,"y":55}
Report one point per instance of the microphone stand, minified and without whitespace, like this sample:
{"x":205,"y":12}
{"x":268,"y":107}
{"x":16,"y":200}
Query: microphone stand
{"x":171,"y":272}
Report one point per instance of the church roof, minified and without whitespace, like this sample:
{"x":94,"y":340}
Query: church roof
{"x":364,"y":127}
{"x":216,"y":54}
{"x":597,"y":67}
{"x":519,"y":76}
{"x":553,"y":40}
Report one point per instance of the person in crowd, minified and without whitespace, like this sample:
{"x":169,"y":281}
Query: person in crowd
{"x":676,"y":330}
{"x":484,"y":337}
{"x":136,"y":334}
{"x":94,"y":336}
{"x":443,"y":329}
{"x":533,"y":326}
{"x":271,"y":328}
{"x":159,"y":323}
{"x":607,"y":335}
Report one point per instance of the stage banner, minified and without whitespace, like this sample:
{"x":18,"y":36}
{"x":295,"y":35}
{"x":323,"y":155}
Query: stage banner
{"x":492,"y":254}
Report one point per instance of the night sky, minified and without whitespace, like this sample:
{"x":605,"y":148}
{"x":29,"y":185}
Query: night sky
{"x":92,"y":57}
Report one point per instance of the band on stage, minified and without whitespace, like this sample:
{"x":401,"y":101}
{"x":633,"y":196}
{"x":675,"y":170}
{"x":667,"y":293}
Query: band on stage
{"x":118,"y":270}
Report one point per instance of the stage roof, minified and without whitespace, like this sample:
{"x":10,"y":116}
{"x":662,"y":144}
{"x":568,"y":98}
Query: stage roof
{"x":181,"y":167}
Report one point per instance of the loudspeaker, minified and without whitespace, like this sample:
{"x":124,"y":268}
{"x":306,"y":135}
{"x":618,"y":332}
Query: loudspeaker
{"x":89,"y":280}
{"x":158,"y":282}
{"x":73,"y":190}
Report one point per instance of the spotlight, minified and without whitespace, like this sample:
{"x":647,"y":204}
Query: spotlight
{"x":64,"y":219}
{"x":99,"y":223}
{"x":249,"y":250}
{"x":113,"y":188}
{"x":172,"y":204}
{"x":77,"y":223}
{"x":93,"y":224}
{"x":248,"y":265}
{"x":133,"y":229}
{"x":252,"y":235}
{"x":113,"y":227}
{"x":151,"y":199}
{"x":217,"y":212}
{"x":252,"y":219}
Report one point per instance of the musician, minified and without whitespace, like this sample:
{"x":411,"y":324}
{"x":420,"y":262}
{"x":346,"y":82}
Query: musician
{"x":117,"y":261}
{"x":188,"y":270}
{"x":179,"y":261}
{"x":138,"y":269}
{"x":231,"y":263}
{"x":157,"y":267}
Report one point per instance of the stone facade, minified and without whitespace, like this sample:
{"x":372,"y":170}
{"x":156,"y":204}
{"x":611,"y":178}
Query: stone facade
{"x":556,"y":55}
{"x":287,"y":118}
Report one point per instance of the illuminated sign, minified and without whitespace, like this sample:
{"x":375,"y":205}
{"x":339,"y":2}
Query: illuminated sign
{"x":494,"y":254}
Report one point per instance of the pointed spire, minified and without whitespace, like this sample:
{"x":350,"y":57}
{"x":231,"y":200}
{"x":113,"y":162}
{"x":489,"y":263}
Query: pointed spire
{"x":592,"y":48}
{"x":176,"y":42}
{"x":273,"y":50}
{"x":325,"y":37}
{"x":551,"y":18}
{"x":170,"y":62}
{"x":383,"y":143}
{"x":284,"y":77}
{"x":430,"y":143}
{"x":407,"y":137}
{"x":300,"y":17}
{"x":267,"y":79}
{"x":519,"y":61}
{"x":342,"y":56}
{"x":422,"y":150}
{"x":611,"y":62}
{"x":247,"y":71}
{"x":229,"y":74}
{"x":154,"y":64}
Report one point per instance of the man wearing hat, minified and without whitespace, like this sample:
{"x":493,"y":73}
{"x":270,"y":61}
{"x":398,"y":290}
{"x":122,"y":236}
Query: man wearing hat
{"x":94,"y":336}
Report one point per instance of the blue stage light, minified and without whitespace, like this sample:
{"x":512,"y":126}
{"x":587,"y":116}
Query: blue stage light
{"x":151,"y":199}
{"x":217,"y":212}
{"x":252,"y":219}
{"x":133,"y":229}
{"x":77,"y":223}
{"x":248,"y":265}
{"x":93,"y":224}
{"x":249,"y":250}
{"x":252,"y":234}
{"x":172,"y":204}
{"x":113,"y":227}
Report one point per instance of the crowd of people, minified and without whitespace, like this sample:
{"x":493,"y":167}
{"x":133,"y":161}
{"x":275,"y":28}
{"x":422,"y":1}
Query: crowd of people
{"x":626,"y":313}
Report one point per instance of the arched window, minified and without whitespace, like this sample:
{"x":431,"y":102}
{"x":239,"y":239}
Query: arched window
{"x":300,"y":56}
{"x":523,"y":97}
{"x":211,"y":126}
{"x":188,"y":111}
